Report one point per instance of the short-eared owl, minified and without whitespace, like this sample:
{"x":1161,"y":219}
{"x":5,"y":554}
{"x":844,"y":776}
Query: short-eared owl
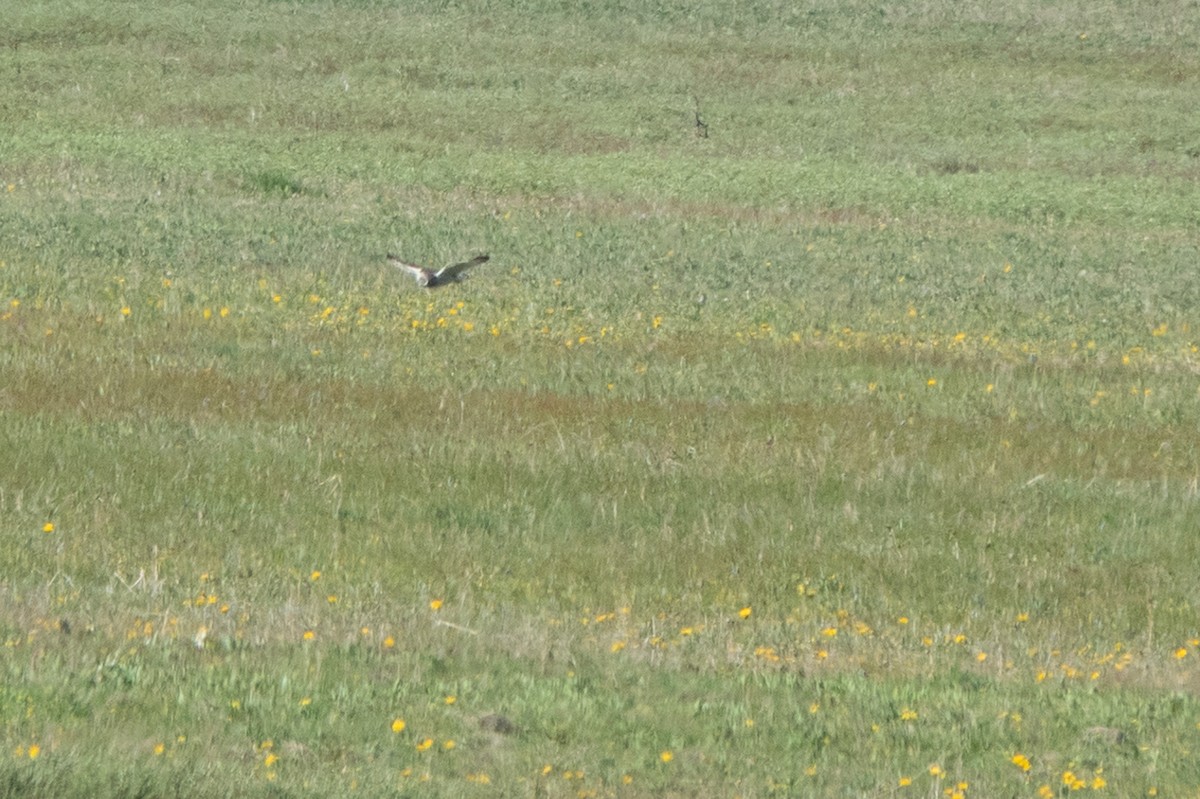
{"x":431,"y":279}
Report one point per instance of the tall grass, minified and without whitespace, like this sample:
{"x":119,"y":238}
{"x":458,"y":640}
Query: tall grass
{"x":844,"y":444}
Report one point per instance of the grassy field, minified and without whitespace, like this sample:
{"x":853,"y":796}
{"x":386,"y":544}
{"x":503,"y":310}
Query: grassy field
{"x":826,"y":422}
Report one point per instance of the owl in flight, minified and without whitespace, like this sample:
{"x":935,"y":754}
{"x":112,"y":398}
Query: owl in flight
{"x":428,"y":278}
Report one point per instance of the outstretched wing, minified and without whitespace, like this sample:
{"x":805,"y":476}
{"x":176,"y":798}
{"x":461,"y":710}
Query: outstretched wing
{"x":454,"y":270}
{"x":420,"y":273}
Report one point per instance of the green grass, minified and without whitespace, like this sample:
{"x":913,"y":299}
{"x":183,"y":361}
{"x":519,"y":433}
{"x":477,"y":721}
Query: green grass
{"x":847,"y":450}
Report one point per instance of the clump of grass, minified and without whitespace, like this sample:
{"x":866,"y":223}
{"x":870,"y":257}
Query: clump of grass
{"x":273,"y":182}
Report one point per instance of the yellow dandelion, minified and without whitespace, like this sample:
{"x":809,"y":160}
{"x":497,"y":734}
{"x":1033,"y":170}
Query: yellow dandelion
{"x":316,"y":575}
{"x":424,"y":744}
{"x":398,"y":725}
{"x":1020,"y":761}
{"x":935,"y":770}
{"x":309,"y":635}
{"x":1071,"y":780}
{"x":48,"y":527}
{"x":1181,"y":653}
{"x":305,"y":701}
{"x":159,"y":748}
{"x":666,"y":756}
{"x":126,"y":311}
{"x":271,"y":759}
{"x":617,"y":646}
{"x":904,"y":782}
{"x":745,"y":612}
{"x":34,"y":751}
{"x":448,"y":745}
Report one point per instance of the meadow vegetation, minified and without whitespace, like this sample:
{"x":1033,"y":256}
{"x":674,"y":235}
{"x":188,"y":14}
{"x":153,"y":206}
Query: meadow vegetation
{"x":826,"y":422}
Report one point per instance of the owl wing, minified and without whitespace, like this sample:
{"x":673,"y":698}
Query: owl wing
{"x":420,"y":273}
{"x":454,"y":270}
